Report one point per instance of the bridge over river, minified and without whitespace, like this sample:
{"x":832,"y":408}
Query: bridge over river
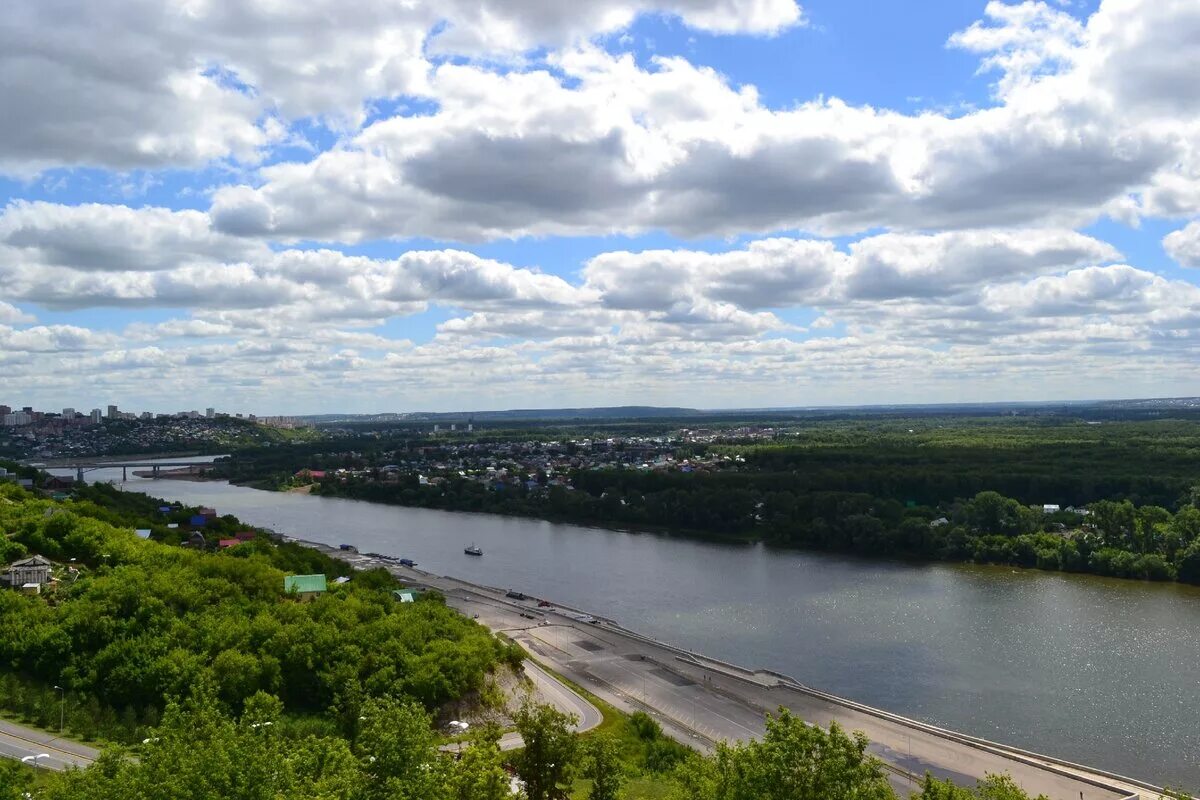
{"x":155,"y":467}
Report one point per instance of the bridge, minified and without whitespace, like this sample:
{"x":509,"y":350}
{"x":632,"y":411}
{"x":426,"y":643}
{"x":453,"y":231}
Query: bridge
{"x":156,"y":466}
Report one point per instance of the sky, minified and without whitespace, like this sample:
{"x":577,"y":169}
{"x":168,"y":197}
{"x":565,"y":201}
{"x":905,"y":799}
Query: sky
{"x":373,"y":205}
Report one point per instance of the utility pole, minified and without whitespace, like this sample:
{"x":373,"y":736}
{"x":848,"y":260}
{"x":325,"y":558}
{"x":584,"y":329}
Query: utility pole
{"x":62,"y":707}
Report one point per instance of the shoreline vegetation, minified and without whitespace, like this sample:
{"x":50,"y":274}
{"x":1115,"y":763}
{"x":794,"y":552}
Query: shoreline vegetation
{"x":1112,"y":498}
{"x":221,"y":685}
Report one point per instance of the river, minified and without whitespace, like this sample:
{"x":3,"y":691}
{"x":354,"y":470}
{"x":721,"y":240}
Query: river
{"x":1098,"y":671}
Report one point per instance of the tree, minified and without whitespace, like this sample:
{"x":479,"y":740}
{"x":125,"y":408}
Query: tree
{"x":479,"y":773}
{"x":545,"y":764}
{"x":602,"y":765}
{"x":396,"y":751}
{"x":992,"y":512}
{"x":793,"y":761}
{"x":15,"y":780}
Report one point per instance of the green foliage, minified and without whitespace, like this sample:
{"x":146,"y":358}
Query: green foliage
{"x":993,"y":787}
{"x":15,"y":780}
{"x":602,"y":766}
{"x":546,"y":763}
{"x":145,"y":621}
{"x":479,"y":773}
{"x":793,"y":761}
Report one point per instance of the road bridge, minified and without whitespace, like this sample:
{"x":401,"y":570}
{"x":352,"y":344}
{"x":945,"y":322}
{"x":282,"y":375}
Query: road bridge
{"x":155,"y":467}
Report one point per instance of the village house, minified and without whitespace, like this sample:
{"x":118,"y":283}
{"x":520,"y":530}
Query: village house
{"x":32,"y":571}
{"x":305,"y":587}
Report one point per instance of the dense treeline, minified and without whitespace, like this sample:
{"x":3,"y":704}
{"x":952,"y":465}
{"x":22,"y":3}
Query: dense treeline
{"x":141,"y":621}
{"x":1115,"y":539}
{"x":202,"y":753}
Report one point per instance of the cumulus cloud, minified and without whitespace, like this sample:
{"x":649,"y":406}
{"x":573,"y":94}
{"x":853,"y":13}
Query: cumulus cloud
{"x":594,"y":143}
{"x":1184,"y":245}
{"x":113,"y":238}
{"x":11,"y":315}
{"x":153,"y":84}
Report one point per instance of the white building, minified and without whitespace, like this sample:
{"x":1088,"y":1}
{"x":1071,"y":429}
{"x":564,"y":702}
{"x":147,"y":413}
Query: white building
{"x":17,"y":419}
{"x":97,"y":415}
{"x":68,"y":413}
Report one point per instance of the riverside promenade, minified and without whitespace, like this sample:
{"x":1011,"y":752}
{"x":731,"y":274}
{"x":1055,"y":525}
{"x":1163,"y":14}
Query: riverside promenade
{"x":702,"y":701}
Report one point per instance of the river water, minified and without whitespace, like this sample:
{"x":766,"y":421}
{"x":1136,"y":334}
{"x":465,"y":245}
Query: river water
{"x":1099,"y":671}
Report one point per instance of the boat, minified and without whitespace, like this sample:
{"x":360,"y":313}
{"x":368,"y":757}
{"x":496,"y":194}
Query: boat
{"x":472,"y":551}
{"x":407,"y":562}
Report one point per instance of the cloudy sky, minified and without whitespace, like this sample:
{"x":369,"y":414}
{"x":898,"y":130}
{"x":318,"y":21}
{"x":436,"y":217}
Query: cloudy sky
{"x":375,"y":205}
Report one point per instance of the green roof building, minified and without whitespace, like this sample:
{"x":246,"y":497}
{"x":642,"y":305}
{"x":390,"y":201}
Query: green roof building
{"x":305,"y":586}
{"x":406,"y":595}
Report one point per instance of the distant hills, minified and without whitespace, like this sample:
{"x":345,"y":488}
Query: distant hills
{"x":1087,"y":408}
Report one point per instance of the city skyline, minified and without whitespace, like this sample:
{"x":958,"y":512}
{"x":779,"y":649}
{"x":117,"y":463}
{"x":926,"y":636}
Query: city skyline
{"x":686,"y":203}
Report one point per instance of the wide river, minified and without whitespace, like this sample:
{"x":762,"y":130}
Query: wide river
{"x":1098,"y":671}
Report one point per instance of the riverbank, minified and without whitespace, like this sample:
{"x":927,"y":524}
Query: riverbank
{"x":702,"y":701}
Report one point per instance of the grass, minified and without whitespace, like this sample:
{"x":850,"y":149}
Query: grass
{"x":638,"y":788}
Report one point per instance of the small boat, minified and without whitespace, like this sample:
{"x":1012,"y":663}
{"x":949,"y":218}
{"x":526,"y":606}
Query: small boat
{"x":472,"y":551}
{"x":407,"y":562}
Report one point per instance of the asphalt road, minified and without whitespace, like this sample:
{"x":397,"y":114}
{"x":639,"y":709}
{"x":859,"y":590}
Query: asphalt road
{"x":18,"y":742}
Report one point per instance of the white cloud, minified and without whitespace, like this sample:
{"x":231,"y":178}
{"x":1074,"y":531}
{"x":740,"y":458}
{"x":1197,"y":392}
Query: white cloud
{"x":11,"y":315}
{"x":113,"y":238}
{"x":151,"y":84}
{"x":1184,"y":245}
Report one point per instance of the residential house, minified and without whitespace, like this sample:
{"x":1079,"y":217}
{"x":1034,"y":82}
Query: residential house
{"x":33,"y":570}
{"x":196,"y":540}
{"x":305,"y":587}
{"x":224,"y":543}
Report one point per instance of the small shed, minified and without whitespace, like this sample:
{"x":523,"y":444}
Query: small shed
{"x":196,"y":540}
{"x":306,"y":587}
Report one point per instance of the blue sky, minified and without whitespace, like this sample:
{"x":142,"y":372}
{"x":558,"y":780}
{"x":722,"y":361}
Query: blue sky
{"x":717,"y":204}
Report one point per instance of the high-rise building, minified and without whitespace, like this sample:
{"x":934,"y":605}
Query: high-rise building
{"x":5,"y":411}
{"x":113,"y":412}
{"x":210,"y":412}
{"x":17,"y":418}
{"x":96,"y":415}
{"x":68,"y":413}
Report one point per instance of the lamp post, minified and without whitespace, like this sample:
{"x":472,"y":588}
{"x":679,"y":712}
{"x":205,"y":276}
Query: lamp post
{"x":34,"y":759}
{"x":62,"y":707}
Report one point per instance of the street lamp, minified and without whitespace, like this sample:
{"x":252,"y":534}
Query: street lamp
{"x":62,"y":707}
{"x":34,"y":759}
